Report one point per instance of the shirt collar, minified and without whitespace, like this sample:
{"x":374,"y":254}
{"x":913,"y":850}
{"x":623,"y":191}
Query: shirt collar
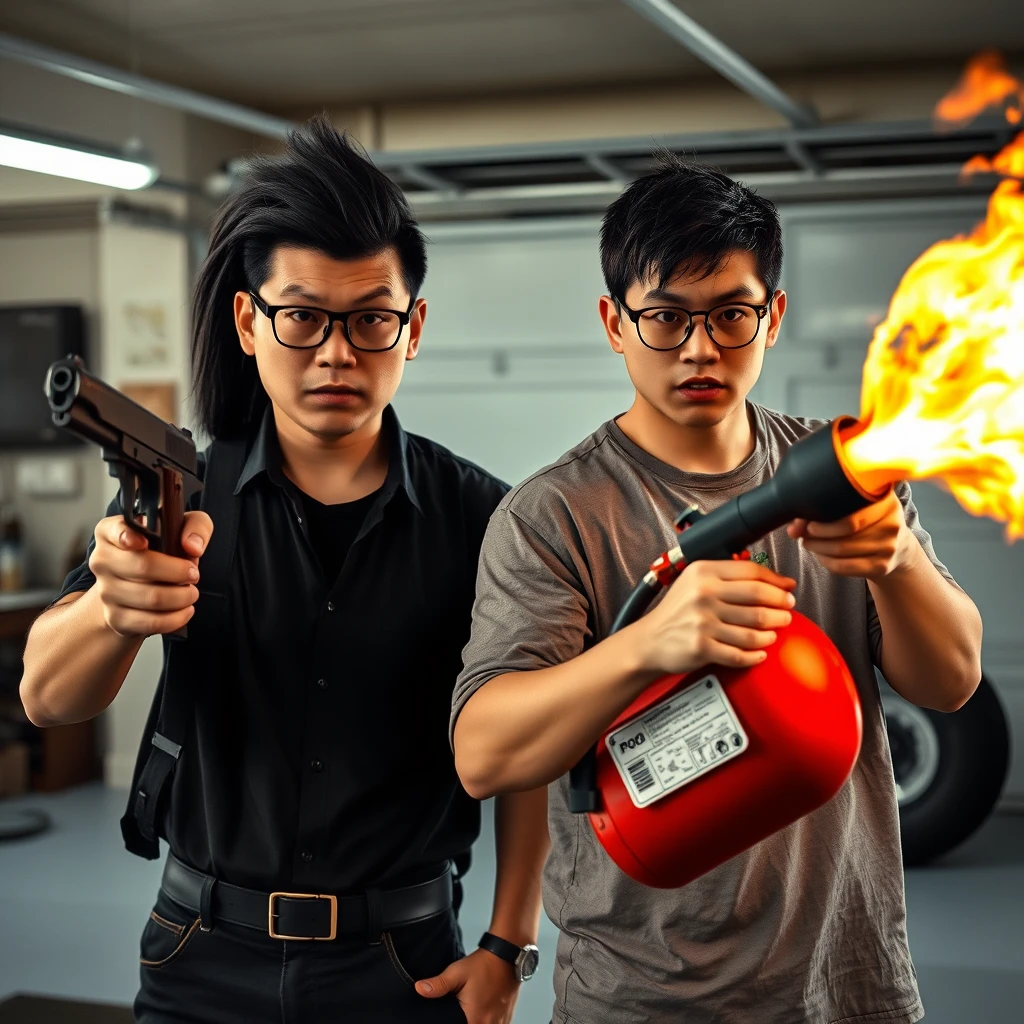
{"x":265,"y":457}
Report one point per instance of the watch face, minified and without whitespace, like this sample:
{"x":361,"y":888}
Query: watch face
{"x":528,"y":961}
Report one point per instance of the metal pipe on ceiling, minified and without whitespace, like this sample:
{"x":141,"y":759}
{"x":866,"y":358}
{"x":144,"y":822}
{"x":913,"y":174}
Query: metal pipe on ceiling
{"x":105,"y":77}
{"x":728,"y":63}
{"x":591,"y":196}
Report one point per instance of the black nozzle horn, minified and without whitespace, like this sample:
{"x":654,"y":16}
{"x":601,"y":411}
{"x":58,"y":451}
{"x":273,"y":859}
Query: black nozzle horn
{"x":810,"y":483}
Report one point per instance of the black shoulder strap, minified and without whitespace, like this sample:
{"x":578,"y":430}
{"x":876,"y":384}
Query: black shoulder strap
{"x":170,"y":720}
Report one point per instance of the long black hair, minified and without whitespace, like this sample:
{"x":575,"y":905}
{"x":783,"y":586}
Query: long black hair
{"x":323,"y":194}
{"x":686,"y":217}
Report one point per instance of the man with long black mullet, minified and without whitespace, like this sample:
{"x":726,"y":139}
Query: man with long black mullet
{"x":296,"y":757}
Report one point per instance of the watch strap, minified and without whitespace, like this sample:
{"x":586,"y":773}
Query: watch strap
{"x":508,"y":951}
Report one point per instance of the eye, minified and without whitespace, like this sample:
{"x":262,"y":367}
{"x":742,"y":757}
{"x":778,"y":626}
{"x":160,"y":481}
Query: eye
{"x":733,"y":314}
{"x":667,"y":317}
{"x":370,"y":319}
{"x":301,"y":316}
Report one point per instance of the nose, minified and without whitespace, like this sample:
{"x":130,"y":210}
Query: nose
{"x":336,"y":350}
{"x":698,"y":347}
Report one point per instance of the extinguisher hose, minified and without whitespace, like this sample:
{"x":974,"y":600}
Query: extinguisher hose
{"x":583,"y":774}
{"x":636,"y":604}
{"x":810,"y":483}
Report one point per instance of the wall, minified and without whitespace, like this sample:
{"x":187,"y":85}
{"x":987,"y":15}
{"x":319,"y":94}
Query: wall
{"x":52,"y":267}
{"x":134,"y":286}
{"x":131,"y":281}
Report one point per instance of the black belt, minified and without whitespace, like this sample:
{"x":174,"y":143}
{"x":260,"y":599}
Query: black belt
{"x":300,"y":916}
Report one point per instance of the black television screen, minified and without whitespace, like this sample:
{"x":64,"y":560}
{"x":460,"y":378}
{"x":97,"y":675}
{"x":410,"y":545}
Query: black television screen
{"x":32,"y":337}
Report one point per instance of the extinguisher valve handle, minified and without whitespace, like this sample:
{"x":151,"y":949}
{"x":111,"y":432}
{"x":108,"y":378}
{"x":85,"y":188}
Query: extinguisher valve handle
{"x":687,"y":518}
{"x":666,"y":567}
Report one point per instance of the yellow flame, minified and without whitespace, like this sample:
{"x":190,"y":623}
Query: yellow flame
{"x":943,"y":385}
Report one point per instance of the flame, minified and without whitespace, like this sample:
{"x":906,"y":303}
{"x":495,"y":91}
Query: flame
{"x":985,"y":83}
{"x":942,"y":396}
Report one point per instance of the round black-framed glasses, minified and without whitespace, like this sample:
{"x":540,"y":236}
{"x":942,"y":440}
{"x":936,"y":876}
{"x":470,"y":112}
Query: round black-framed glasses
{"x":368,"y":330}
{"x":729,"y":325}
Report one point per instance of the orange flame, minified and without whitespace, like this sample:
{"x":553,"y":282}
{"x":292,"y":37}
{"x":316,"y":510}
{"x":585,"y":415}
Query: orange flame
{"x":985,"y":83}
{"x":943,"y":387}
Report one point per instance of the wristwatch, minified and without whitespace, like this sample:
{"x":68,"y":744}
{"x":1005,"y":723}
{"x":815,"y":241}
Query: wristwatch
{"x":523,"y":958}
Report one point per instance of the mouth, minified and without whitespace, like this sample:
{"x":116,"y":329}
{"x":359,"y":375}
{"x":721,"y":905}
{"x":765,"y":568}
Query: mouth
{"x":335,"y":394}
{"x":701,"y":388}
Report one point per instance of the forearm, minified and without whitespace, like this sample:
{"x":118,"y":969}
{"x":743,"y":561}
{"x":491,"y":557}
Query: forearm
{"x":74,"y":663}
{"x":521,"y":839}
{"x":931,"y":636}
{"x":526,"y":729}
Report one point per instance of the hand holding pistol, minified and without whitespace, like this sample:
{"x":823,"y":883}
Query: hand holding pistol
{"x":145,"y":561}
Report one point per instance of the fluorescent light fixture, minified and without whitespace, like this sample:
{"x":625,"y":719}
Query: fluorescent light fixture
{"x":72,"y":158}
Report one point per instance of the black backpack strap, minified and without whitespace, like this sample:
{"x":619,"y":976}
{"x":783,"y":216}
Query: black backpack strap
{"x":170,"y":719}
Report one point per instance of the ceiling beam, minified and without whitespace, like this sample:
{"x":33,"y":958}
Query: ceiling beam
{"x":603,"y":166}
{"x":125,"y":82}
{"x":728,"y":63}
{"x":429,"y":180}
{"x":991,"y":129}
{"x":803,"y":157}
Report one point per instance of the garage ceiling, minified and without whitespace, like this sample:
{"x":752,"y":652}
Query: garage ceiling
{"x":278,"y":56}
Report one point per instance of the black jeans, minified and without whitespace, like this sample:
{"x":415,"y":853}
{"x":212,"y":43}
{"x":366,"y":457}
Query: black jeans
{"x":233,"y":975}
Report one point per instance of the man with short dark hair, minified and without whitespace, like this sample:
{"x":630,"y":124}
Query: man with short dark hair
{"x":808,"y":926}
{"x":310,"y":801}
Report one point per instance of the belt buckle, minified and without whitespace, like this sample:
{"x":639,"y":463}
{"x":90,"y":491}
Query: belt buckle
{"x":274,"y":934}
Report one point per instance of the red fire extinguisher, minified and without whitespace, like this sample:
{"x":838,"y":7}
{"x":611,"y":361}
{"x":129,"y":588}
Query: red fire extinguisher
{"x":701,"y":767}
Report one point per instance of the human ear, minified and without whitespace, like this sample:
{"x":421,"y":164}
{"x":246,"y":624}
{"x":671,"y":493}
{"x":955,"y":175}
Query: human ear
{"x":416,"y":321}
{"x":775,"y":315}
{"x":244,"y":316}
{"x":612,"y":320}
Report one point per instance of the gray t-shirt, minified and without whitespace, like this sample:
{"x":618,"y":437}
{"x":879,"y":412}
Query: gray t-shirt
{"x":807,"y":926}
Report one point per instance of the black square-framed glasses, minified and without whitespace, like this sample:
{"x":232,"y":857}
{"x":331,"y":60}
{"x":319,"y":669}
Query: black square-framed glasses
{"x":729,"y":325}
{"x":368,"y":330}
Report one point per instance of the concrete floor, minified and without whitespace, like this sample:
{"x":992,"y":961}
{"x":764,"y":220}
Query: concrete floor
{"x":72,"y":906}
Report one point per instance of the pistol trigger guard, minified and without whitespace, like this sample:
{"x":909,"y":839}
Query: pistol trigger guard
{"x":129,"y":485}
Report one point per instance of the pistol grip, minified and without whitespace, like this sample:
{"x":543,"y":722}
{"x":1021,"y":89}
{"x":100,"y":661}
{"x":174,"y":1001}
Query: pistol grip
{"x":172,"y":512}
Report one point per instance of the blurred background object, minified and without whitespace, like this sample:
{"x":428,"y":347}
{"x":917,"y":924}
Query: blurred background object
{"x":510,"y":124}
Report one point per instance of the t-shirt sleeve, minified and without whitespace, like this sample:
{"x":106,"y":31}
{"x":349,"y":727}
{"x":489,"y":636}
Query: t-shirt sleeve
{"x":531,"y":610}
{"x":914,"y":522}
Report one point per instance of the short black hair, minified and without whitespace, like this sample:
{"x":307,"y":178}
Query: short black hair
{"x":688,"y":217}
{"x":324,"y":194}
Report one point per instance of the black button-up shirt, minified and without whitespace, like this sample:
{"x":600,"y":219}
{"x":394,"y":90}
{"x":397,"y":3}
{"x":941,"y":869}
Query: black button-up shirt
{"x":322,"y":764}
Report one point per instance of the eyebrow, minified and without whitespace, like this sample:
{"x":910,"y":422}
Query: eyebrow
{"x":663,"y":295}
{"x":300,"y":291}
{"x":304,"y":293}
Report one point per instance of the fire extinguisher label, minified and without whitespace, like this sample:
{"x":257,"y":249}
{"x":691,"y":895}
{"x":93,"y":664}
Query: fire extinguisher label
{"x":676,"y":741}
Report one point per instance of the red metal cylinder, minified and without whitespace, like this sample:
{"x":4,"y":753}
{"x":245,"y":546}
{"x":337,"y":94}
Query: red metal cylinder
{"x":722,"y":758}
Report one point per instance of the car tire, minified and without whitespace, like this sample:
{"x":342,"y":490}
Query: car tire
{"x":949,"y":768}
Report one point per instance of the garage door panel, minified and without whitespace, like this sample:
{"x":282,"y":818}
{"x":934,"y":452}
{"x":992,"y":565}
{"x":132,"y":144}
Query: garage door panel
{"x":825,"y":397}
{"x":514,"y":290}
{"x":516,"y":366}
{"x":512,"y":433}
{"x":845,"y":269}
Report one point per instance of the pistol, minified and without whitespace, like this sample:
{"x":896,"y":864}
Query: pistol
{"x":154,"y":461}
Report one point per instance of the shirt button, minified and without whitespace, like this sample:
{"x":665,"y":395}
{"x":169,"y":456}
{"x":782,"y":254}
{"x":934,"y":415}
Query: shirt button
{"x":298,"y":519}
{"x":330,"y":606}
{"x":307,"y":855}
{"x":322,"y":683}
{"x":317,"y":766}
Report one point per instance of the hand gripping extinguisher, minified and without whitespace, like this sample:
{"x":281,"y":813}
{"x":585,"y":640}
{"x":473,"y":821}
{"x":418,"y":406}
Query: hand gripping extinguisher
{"x":701,"y":767}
